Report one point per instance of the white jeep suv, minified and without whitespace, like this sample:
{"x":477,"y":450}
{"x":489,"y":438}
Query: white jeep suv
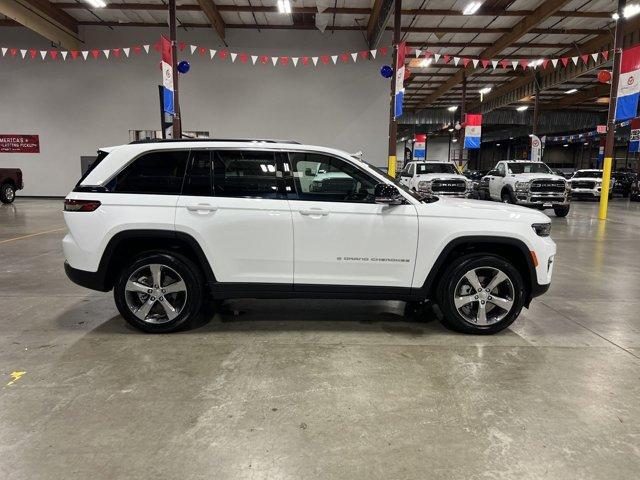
{"x":531,"y":184}
{"x":435,"y":178}
{"x":162,"y":223}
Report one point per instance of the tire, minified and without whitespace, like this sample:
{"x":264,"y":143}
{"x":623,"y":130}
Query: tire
{"x":562,"y":211}
{"x":467,"y":317}
{"x":168,"y":311}
{"x":507,"y":197}
{"x":7,"y":193}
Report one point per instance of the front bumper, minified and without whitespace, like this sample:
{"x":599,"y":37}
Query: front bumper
{"x":542,"y":199}
{"x":586,"y":192}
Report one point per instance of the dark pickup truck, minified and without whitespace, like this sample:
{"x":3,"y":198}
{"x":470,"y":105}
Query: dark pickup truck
{"x":10,"y":181}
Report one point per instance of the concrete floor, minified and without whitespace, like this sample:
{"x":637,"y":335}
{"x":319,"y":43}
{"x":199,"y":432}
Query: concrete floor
{"x":321,"y":389}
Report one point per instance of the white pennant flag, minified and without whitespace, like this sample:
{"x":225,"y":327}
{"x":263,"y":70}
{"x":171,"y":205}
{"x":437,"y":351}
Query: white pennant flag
{"x":274,"y":60}
{"x":295,"y":61}
{"x":554,"y":62}
{"x":373,"y":53}
{"x":315,"y":61}
{"x":4,"y":51}
{"x":126,"y":51}
{"x":436,"y":57}
{"x":456,"y":60}
{"x":494,"y":63}
{"x":334,"y":58}
{"x":575,"y":60}
{"x":418,"y":53}
{"x":254,"y":59}
{"x":43,"y":53}
{"x":594,"y":56}
{"x":193,"y":49}
{"x":475,"y":62}
{"x":64,"y":55}
{"x":233,"y":57}
{"x":106,"y":53}
{"x":85,"y":54}
{"x":354,"y":55}
{"x":515,"y":64}
{"x":212,"y":53}
{"x":23,"y":53}
{"x":146,"y":48}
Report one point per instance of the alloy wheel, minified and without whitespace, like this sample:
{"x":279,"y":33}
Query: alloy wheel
{"x":484,"y":296}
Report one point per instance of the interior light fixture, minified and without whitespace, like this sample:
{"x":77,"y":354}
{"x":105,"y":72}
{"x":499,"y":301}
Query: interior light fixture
{"x":97,"y":3}
{"x":451,"y":129}
{"x":426,"y":62}
{"x":565,"y":145}
{"x":497,"y":144}
{"x":586,"y":143}
{"x":631,"y":10}
{"x":522,"y":108}
{"x":485,"y":90}
{"x":615,"y":16}
{"x":471,"y":8}
{"x":284,"y":6}
{"x":573,"y":90}
{"x":453,"y":108}
{"x":454,"y":140}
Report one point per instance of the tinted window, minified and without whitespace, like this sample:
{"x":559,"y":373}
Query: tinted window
{"x":322,"y":178}
{"x":588,"y":174}
{"x":198,"y":181}
{"x":533,"y":167}
{"x":156,"y":172}
{"x":436,"y":168}
{"x":245,"y":174}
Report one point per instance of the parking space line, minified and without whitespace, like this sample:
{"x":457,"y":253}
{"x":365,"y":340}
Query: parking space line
{"x":32,"y":235}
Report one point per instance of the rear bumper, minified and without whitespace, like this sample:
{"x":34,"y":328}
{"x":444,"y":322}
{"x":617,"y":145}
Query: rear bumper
{"x":91,"y":280}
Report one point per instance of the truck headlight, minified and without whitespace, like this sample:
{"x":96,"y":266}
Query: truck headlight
{"x":424,"y":185}
{"x":522,"y":186}
{"x":542,"y":229}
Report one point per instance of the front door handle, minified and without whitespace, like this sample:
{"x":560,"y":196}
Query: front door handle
{"x":315,"y":212}
{"x":202,"y":207}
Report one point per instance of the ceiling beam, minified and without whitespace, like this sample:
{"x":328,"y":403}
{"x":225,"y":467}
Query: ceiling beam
{"x":378,"y":20}
{"x":524,"y":26}
{"x":45,"y":19}
{"x":210,"y":9}
{"x":425,"y":45}
{"x":600,"y":90}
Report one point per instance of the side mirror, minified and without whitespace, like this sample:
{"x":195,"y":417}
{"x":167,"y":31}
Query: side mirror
{"x":387,"y":194}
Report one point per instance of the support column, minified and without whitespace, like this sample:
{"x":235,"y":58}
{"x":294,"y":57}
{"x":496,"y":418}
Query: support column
{"x":536,"y":105}
{"x":609,"y":146}
{"x":177,"y":122}
{"x":463,"y":111}
{"x":393,"y":124}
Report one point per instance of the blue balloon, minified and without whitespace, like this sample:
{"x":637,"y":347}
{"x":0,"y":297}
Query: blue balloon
{"x":183,"y":66}
{"x":386,"y":71}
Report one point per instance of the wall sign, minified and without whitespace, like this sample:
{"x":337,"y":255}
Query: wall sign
{"x":15,"y":143}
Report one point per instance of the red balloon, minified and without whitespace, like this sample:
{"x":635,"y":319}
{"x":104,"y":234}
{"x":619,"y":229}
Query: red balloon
{"x":407,"y":72}
{"x":604,"y":76}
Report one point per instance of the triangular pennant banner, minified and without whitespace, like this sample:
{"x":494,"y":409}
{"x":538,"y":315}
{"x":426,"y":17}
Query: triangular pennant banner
{"x":146,"y":48}
{"x":373,"y":52}
{"x":74,"y":54}
{"x":475,"y":62}
{"x":64,"y":55}
{"x":126,"y":51}
{"x":106,"y":53}
{"x":504,"y":63}
{"x":456,"y":60}
{"x":305,"y":61}
{"x":485,"y":63}
{"x":575,"y":60}
{"x":4,"y":51}
{"x":334,"y":58}
{"x":203,"y":50}
{"x":524,"y":64}
{"x":564,"y":60}
{"x":264,"y":59}
{"x":354,"y":55}
{"x":314,"y":60}
{"x":344,"y":57}
{"x":53,"y":54}
{"x":23,"y":53}
{"x":212,"y":53}
{"x":446,"y":58}
{"x":137,"y":49}
{"x":554,"y":62}
{"x":116,"y":52}
{"x":33,"y":53}
{"x":545,"y":62}
{"x":514,"y":64}
{"x":295,"y":61}
{"x":233,"y":57}
{"x":418,"y":52}
{"x":274,"y":60}
{"x":85,"y":54}
{"x":605,"y":54}
{"x":324,"y":59}
{"x":254,"y":59}
{"x":594,"y":56}
{"x":223,"y":54}
{"x":436,"y":57}
{"x":364,"y":54}
{"x":193,"y":49}
{"x":43,"y":54}
{"x":383,"y":51}
{"x":284,"y":60}
{"x":585,"y":59}
{"x":494,"y":63}
{"x":244,"y":57}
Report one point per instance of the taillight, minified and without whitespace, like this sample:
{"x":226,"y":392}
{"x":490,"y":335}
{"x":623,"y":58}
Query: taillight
{"x":80,"y":205}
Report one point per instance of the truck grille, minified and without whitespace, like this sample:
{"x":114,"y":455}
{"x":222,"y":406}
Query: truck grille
{"x":548,"y":186}
{"x":583,"y":184}
{"x":451,"y":187}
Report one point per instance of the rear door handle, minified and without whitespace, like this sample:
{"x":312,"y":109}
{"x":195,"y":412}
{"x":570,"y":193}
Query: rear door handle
{"x":202,"y":207}
{"x":315,"y":212}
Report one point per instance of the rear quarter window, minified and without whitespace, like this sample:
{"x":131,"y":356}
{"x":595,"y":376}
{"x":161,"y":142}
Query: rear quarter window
{"x":160,"y":173}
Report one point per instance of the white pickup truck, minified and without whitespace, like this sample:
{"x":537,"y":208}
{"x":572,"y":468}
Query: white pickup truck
{"x":435,"y":178}
{"x":530,"y":184}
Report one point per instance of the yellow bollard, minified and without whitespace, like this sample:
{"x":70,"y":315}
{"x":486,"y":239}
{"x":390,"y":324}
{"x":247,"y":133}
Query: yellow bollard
{"x":391,"y":168}
{"x":604,"y":194}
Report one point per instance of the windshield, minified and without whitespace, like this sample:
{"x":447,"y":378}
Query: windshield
{"x":528,"y":167}
{"x":415,"y":195}
{"x":588,"y":175}
{"x":435,"y":168}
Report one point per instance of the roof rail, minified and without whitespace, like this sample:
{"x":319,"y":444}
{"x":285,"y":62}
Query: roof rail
{"x":240,"y":140}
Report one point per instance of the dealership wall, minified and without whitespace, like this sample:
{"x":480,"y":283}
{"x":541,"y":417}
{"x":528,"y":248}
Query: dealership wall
{"x":77,"y":106}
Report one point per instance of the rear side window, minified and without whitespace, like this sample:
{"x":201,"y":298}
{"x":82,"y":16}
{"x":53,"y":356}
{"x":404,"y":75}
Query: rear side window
{"x":251,"y":174}
{"x":158,"y":173}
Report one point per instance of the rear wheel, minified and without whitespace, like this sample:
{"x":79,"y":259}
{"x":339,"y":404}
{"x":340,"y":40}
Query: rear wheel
{"x":561,"y":211}
{"x":481,"y":294}
{"x":7,"y":193}
{"x":159,"y":292}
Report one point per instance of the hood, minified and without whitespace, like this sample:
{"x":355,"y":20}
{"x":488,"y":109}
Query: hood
{"x":444,"y":176}
{"x":597,"y":180}
{"x":480,"y":209}
{"x":525,"y":177}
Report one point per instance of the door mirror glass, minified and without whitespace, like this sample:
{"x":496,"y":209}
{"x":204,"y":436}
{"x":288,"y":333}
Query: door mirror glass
{"x":388,"y":194}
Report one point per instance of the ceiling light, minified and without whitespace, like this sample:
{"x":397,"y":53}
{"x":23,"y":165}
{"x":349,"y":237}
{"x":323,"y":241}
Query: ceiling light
{"x":453,"y":108}
{"x":284,"y":6}
{"x":451,"y":129}
{"x":97,"y":3}
{"x":454,"y":140}
{"x":426,"y":62}
{"x":631,"y":10}
{"x":471,"y":8}
{"x":497,"y":144}
{"x":615,"y":16}
{"x":485,"y":90}
{"x":586,"y":143}
{"x":522,"y":108}
{"x":573,"y":90}
{"x":565,"y":145}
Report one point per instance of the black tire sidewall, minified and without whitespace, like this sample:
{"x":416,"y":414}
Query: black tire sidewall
{"x":509,"y":195}
{"x":450,"y":279}
{"x":562,"y":211}
{"x":189,"y":273}
{"x":3,"y":193}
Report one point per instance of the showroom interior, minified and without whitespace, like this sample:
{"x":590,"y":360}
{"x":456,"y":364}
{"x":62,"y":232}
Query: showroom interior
{"x":419,"y":149}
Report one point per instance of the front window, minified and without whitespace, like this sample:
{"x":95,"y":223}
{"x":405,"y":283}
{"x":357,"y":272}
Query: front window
{"x":436,"y":168}
{"x":528,"y":167}
{"x":587,"y":175}
{"x":415,"y":195}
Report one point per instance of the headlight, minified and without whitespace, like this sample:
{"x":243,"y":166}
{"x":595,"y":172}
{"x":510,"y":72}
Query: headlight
{"x":542,"y":229}
{"x":424,"y":185}
{"x":522,"y":185}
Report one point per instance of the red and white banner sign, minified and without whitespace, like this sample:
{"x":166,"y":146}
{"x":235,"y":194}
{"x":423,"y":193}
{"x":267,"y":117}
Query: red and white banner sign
{"x":15,"y":143}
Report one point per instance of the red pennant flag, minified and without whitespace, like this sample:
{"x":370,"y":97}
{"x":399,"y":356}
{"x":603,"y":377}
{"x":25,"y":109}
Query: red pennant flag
{"x":264,"y":59}
{"x":116,"y":52}
{"x":585,"y":59}
{"x":564,"y":60}
{"x":182,"y":46}
{"x":156,"y":46}
{"x":545,"y":62}
{"x":54,"y":54}
{"x":605,"y":54}
{"x":446,"y":58}
{"x":13,"y":52}
{"x":202,"y":50}
{"x":465,"y":62}
{"x":137,"y":49}
{"x":95,"y":53}
{"x":305,"y":61}
{"x":485,"y":63}
{"x":284,"y":60}
{"x":33,"y":53}
{"x":74,"y":54}
{"x":325,"y":59}
{"x":524,"y":63}
{"x":244,"y":57}
{"x":383,"y":51}
{"x":427,"y":54}
{"x":364,"y":54}
{"x":504,"y":63}
{"x":223,"y":54}
{"x":345,"y":57}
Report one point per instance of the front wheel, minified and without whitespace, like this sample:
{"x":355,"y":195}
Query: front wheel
{"x":481,"y":294}
{"x":508,"y":197}
{"x":561,"y":211}
{"x":159,"y":292}
{"x":7,"y":193}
